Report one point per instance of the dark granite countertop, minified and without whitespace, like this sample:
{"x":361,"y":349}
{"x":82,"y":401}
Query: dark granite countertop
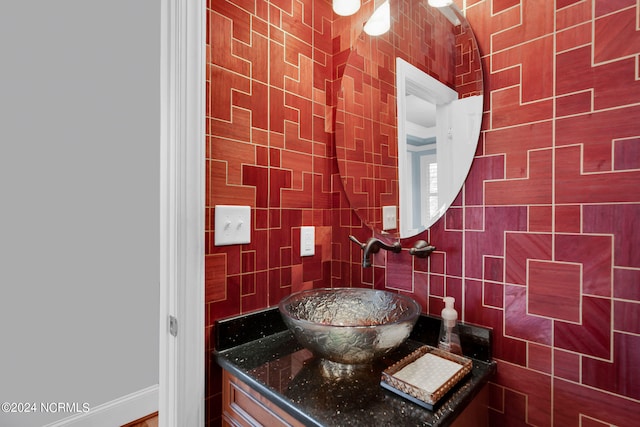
{"x":259,"y":350}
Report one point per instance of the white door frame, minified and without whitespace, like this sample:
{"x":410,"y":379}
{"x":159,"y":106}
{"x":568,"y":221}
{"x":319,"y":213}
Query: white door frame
{"x":182,"y":192}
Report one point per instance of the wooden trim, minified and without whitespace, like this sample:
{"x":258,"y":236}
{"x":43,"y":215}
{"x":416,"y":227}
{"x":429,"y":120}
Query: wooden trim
{"x":115,"y":412}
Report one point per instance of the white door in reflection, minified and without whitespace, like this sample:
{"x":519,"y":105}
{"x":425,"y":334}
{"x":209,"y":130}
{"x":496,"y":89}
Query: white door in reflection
{"x":436,"y":145}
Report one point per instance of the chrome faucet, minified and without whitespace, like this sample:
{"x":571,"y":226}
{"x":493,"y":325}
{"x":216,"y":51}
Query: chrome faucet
{"x":372,"y":246}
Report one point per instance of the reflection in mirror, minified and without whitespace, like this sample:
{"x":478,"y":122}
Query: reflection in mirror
{"x":434,"y":128}
{"x":437,"y":154}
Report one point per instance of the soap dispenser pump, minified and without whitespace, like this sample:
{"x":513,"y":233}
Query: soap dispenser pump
{"x":449,"y":337}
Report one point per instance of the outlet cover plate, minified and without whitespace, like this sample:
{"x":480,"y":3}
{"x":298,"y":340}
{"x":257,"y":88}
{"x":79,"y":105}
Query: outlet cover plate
{"x":232,"y":225}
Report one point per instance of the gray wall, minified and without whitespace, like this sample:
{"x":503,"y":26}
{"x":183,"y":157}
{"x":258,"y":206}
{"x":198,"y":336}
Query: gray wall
{"x":79,"y":201}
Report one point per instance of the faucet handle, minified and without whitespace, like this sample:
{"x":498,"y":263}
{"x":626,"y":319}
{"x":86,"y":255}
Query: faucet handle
{"x":422,"y":249}
{"x":357,"y":242}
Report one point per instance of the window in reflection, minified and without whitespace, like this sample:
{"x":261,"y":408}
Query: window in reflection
{"x":433,"y":192}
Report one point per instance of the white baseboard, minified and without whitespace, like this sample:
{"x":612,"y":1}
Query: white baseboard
{"x":117,"y":412}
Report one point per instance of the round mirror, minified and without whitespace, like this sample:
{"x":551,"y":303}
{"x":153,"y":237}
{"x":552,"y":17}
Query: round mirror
{"x":408,"y":117}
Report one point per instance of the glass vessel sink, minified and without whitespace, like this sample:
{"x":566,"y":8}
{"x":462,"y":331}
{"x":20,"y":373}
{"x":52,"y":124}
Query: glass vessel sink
{"x":349,"y":325}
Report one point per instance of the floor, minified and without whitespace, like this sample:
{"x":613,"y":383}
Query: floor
{"x":150,"y":420}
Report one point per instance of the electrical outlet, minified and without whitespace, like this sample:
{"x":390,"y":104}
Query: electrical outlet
{"x":389,"y":218}
{"x":307,"y":241}
{"x":232,"y":225}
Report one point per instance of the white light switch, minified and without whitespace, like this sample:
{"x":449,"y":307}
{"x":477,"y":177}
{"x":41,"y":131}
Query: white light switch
{"x":232,"y":225}
{"x":389,"y":218}
{"x":307,"y":241}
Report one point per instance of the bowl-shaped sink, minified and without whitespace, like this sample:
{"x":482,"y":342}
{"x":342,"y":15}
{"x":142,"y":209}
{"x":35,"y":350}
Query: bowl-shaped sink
{"x":349,"y":325}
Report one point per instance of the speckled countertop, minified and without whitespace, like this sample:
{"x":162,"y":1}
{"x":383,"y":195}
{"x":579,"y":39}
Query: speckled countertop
{"x":259,"y":350}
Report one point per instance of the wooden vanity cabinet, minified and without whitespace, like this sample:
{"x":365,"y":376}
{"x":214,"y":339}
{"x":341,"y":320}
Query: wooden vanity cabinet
{"x":476,"y":414}
{"x":244,"y":406}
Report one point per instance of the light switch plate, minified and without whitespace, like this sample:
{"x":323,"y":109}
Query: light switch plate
{"x":389,"y":218}
{"x":307,"y":241}
{"x":232,"y":225}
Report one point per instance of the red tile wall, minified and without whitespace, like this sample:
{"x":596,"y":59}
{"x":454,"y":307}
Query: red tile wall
{"x":541,"y":243}
{"x":269,"y":81}
{"x":559,"y":286}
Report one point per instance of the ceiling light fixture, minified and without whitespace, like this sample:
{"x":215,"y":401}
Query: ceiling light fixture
{"x":440,"y":3}
{"x":380,"y":21}
{"x":346,"y":7}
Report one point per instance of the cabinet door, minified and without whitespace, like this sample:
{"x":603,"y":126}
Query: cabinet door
{"x":243,"y":406}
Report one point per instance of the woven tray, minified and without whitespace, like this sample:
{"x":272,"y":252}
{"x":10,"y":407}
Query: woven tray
{"x":430,"y":373}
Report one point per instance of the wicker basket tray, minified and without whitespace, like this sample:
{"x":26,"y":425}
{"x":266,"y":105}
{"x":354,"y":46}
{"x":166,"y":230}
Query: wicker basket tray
{"x":426,"y":375}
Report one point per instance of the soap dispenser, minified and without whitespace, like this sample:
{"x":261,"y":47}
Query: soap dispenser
{"x":449,"y":337}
